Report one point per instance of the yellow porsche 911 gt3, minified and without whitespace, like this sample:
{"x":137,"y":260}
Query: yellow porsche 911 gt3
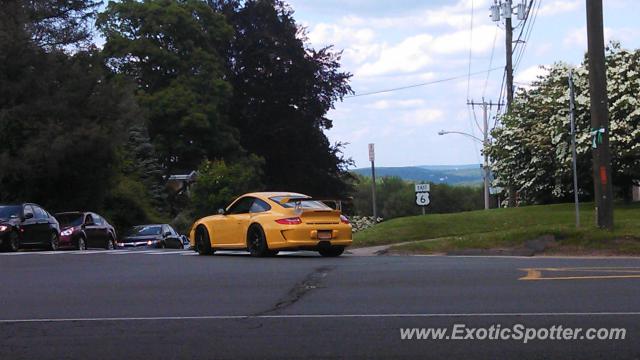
{"x":264,"y":223}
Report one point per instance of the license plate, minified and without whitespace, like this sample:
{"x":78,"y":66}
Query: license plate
{"x":324,"y":235}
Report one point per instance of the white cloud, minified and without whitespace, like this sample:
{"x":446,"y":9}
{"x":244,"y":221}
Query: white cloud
{"x":559,"y":6}
{"x":395,"y":104}
{"x":578,"y":37}
{"x":421,"y":117}
{"x":416,"y":52}
{"x":525,"y":77}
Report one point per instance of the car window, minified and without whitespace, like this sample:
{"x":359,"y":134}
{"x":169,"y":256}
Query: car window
{"x":70,"y":219}
{"x":172,"y":230}
{"x":144,"y":230}
{"x":97,"y":219}
{"x":89,"y":219}
{"x":165,"y":229}
{"x":28,"y":210}
{"x":241,"y":206}
{"x":39,"y":213}
{"x":305,"y":204}
{"x":259,"y":206}
{"x":9,"y":212}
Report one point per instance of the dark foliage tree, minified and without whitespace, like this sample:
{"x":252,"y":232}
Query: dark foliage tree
{"x":282,"y":91}
{"x":171,"y":49}
{"x":60,"y":120}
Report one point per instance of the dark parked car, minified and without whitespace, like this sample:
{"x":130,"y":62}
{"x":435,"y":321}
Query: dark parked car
{"x":27,"y":225}
{"x":81,"y":230}
{"x":152,"y":235}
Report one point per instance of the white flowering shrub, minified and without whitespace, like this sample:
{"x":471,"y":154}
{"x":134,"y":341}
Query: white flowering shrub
{"x":359,"y":223}
{"x":532,"y":146}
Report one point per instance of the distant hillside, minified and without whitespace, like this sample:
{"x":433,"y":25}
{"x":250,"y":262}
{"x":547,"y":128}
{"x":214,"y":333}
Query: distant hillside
{"x":439,"y":174}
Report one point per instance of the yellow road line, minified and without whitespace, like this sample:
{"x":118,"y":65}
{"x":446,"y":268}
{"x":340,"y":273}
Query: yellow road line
{"x":626,"y":273}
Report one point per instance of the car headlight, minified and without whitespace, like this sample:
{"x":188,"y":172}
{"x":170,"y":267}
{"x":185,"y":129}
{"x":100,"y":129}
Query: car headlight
{"x":67,"y":232}
{"x":3,"y":228}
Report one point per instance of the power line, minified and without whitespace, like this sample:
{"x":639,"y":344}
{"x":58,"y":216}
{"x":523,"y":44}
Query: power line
{"x":421,"y":84}
{"x":493,"y":49}
{"x":470,"y":51}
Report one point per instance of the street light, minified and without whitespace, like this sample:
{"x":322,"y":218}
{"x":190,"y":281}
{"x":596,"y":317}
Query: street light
{"x":486,"y":160}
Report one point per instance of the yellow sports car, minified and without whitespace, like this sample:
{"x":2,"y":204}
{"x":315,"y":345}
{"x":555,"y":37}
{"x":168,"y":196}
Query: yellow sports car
{"x":265,"y":222}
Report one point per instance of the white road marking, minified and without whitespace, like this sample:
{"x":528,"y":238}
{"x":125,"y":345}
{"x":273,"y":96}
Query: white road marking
{"x":320,"y":316}
{"x":165,"y":252}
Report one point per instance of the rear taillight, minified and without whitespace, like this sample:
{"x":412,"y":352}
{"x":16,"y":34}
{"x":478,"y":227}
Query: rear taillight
{"x":289,"y":221}
{"x":344,"y":219}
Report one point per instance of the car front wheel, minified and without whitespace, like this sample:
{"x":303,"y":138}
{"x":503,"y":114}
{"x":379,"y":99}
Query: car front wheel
{"x":54,"y":242}
{"x":14,"y":242}
{"x":82,"y":244}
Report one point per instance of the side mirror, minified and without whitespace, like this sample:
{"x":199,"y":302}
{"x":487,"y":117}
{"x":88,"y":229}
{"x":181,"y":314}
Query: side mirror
{"x":28,"y":216}
{"x":220,"y":211}
{"x":167,"y":234}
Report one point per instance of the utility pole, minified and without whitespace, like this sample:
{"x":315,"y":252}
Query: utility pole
{"x":486,"y":107}
{"x":572,"y":117}
{"x":372,"y":158}
{"x":506,"y":10}
{"x":603,"y":190}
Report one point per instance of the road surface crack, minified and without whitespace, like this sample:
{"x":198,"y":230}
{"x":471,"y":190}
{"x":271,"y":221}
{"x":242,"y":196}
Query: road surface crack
{"x":312,"y":281}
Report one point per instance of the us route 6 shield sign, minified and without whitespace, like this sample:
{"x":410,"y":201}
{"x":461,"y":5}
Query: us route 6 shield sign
{"x":422,"y":198}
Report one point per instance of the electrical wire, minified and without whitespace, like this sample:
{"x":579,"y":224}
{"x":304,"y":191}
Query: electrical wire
{"x":420,"y":84}
{"x":493,"y":49}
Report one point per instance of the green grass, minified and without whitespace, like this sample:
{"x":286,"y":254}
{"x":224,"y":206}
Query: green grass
{"x":508,"y":228}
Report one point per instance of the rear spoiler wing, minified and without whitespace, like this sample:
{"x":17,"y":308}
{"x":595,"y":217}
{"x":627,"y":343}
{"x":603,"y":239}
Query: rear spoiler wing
{"x":336,"y":202}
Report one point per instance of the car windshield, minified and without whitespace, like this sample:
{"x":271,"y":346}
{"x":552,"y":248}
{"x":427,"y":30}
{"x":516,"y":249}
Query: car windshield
{"x":305,"y":204}
{"x":66,"y":220}
{"x":143,"y":230}
{"x":9,"y":212}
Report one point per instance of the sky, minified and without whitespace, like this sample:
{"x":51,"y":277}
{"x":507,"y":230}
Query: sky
{"x":405,"y":42}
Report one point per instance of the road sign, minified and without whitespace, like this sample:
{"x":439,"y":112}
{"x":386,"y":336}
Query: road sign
{"x":423,"y":187}
{"x":422,"y":198}
{"x":372,"y":155}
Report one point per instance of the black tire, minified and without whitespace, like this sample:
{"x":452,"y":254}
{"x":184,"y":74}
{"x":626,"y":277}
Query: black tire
{"x":110,"y":244}
{"x":332,"y":251}
{"x":257,"y":242}
{"x":14,"y":242}
{"x":271,"y":253}
{"x":81,"y":244}
{"x":54,"y":242}
{"x":203,"y":242}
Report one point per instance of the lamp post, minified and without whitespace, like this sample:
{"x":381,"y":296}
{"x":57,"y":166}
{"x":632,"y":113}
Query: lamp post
{"x":485,"y":166}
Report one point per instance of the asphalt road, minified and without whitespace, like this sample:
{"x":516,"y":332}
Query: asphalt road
{"x":165,"y":304}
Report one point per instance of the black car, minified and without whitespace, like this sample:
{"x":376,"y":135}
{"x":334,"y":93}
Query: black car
{"x":152,"y":235}
{"x":81,"y":230}
{"x":28,"y":225}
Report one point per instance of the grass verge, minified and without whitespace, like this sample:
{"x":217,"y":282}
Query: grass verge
{"x":508,"y":229}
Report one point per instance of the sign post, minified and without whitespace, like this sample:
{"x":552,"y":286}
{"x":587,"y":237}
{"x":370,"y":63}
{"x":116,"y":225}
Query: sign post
{"x":372,"y":158}
{"x":422,"y":196}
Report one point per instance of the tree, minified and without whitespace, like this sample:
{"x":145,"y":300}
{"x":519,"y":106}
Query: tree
{"x":171,"y":49}
{"x":282,"y":91}
{"x":61,"y":115}
{"x":219,"y":183}
{"x":531,"y":148}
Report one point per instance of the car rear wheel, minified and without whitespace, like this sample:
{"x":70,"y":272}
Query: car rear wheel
{"x":82,"y":244}
{"x":109,"y":245}
{"x":54,"y":242}
{"x":332,"y":251}
{"x":203,"y":243}
{"x":257,"y":242}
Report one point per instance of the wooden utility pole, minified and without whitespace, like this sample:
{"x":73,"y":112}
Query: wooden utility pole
{"x":603,"y":190}
{"x":508,"y":44}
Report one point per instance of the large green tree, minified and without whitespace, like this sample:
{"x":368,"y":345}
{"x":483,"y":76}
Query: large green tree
{"x":282,"y":91}
{"x":172,"y":50}
{"x":61,"y":115}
